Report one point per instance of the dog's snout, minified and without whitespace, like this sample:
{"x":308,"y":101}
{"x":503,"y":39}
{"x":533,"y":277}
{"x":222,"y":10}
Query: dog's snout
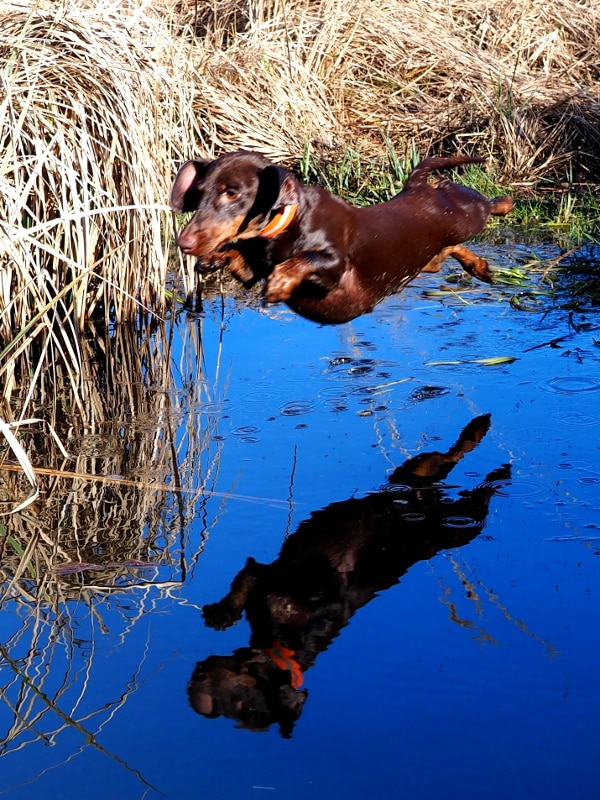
{"x":185,"y":242}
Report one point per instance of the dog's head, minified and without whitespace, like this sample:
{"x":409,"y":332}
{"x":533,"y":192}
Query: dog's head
{"x":240,"y":195}
{"x":248,"y":688}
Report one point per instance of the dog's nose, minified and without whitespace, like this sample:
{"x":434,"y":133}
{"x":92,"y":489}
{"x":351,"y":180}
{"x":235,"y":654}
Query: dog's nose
{"x":185,"y":242}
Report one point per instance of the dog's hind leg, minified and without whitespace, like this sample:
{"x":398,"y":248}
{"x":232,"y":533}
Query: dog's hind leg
{"x":475,"y":266}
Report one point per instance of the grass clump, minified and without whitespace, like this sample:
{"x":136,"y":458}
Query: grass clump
{"x":99,"y":103}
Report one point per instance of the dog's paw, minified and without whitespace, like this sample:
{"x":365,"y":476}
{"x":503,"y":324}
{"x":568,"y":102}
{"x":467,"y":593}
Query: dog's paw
{"x":481,"y":271}
{"x":219,"y":616}
{"x":279,"y":288}
{"x":286,"y":277}
{"x":241,"y":271}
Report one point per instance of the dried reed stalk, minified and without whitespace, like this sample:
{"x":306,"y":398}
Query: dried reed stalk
{"x":100,"y":101}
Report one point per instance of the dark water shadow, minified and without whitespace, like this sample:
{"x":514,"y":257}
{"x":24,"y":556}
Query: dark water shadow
{"x":337,"y":561}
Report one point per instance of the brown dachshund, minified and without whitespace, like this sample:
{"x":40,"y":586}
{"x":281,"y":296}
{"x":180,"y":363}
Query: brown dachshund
{"x":328,"y":260}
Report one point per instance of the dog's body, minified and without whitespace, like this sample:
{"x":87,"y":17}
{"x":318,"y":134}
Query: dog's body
{"x":328,"y":260}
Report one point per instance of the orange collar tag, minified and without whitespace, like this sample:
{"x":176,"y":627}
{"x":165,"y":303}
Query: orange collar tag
{"x":284,"y":659}
{"x":280,"y":222}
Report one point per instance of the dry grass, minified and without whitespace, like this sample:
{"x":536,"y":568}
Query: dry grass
{"x":140,"y":466}
{"x":99,"y":101}
{"x":515,"y":80}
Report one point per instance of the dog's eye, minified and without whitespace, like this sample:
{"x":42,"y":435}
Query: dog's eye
{"x":230,"y":193}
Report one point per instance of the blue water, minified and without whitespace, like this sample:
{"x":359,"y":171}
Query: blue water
{"x":456,"y":650}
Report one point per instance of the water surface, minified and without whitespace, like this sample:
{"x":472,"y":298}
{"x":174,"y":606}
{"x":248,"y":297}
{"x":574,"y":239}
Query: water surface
{"x":412,"y":535}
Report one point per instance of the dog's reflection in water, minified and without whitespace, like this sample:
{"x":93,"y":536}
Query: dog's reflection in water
{"x":337,"y":560}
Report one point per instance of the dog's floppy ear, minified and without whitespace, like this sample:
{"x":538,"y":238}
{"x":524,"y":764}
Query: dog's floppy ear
{"x":276,"y":188}
{"x":185,"y":194}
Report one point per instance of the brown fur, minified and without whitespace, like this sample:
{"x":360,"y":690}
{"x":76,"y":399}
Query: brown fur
{"x":334,"y":261}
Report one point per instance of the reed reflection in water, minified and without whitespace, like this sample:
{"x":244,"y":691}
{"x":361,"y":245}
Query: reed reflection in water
{"x":106,"y":541}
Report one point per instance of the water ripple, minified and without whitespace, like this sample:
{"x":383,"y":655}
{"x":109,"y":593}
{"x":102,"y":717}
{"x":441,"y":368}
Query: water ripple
{"x":574,"y":464}
{"x":461,"y":522}
{"x":428,"y":393}
{"x":571,"y":385}
{"x":577,"y":418}
{"x":214,"y":408}
{"x":540,"y":435}
{"x":413,"y":516}
{"x":100,"y":446}
{"x":296,"y":407}
{"x":262,"y":395}
{"x":247,"y":433}
{"x":516,"y":488}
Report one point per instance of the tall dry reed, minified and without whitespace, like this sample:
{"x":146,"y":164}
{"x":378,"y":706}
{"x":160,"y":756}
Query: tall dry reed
{"x":100,"y":101}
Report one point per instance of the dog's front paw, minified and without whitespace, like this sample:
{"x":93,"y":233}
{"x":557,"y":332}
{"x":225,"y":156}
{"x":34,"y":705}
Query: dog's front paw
{"x":285,"y":279}
{"x":239,"y":269}
{"x":220,"y":616}
{"x":279,"y":288}
{"x":481,"y":270}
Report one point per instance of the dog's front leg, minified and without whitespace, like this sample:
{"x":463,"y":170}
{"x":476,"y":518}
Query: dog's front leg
{"x":320,"y":268}
{"x":223,"y":614}
{"x":286,"y":277}
{"x":471,"y":263}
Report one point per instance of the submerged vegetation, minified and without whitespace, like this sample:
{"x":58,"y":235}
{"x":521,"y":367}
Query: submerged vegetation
{"x":100,"y":101}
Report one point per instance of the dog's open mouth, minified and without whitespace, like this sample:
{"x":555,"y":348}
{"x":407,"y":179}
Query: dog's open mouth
{"x":205,"y":265}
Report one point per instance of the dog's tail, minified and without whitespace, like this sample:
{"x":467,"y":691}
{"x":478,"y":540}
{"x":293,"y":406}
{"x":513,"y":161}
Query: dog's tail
{"x":418,"y":177}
